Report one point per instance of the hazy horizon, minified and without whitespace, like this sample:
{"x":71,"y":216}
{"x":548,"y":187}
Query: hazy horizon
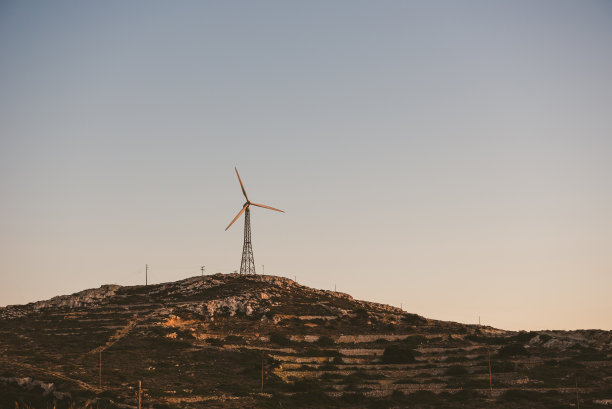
{"x":454,"y":158}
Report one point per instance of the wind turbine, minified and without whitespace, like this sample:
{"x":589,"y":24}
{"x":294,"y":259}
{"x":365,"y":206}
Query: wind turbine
{"x":247,"y":265}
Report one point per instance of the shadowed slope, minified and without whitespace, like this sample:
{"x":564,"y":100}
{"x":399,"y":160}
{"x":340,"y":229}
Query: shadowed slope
{"x":202,"y":341}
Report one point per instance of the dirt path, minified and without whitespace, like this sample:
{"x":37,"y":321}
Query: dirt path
{"x":120,"y":333}
{"x":81,"y":384}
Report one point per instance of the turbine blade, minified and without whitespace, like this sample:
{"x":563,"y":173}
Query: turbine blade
{"x":268,"y":207}
{"x":241,"y":185}
{"x":237,"y":216}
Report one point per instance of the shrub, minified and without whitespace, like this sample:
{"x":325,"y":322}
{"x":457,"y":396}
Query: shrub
{"x":423,"y":397}
{"x":568,"y":363}
{"x":413,"y":319}
{"x":482,"y":339}
{"x":279,"y":339}
{"x":185,"y":334}
{"x":524,"y":336}
{"x":361,"y":313}
{"x":234,"y":338}
{"x":517,"y":395}
{"x":545,"y":338}
{"x":238,"y":389}
{"x":591,"y":354}
{"x":406,"y":380}
{"x":325,"y":341}
{"x":305,"y":385}
{"x":501,"y":366}
{"x":305,"y":368}
{"x":214,"y":341}
{"x":512,"y":350}
{"x":415,"y":340}
{"x":456,"y":370}
{"x":356,"y":378}
{"x":398,"y":354}
{"x":380,"y":404}
{"x":398,"y":395}
{"x":330,"y":324}
{"x":330,"y":375}
{"x":549,"y":374}
{"x":466,"y":396}
{"x":315,"y":351}
{"x":353,"y":398}
{"x":312,"y":398}
{"x":455,"y":359}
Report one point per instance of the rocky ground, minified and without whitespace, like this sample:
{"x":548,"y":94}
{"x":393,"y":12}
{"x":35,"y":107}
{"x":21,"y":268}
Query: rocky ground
{"x":204,"y":342}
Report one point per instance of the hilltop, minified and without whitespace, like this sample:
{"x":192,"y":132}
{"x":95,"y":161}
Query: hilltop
{"x":203,"y":342}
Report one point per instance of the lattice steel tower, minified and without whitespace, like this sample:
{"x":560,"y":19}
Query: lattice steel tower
{"x":247,"y":264}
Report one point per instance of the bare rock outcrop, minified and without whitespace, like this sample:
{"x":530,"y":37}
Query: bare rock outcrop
{"x":245,"y":305}
{"x":85,"y":298}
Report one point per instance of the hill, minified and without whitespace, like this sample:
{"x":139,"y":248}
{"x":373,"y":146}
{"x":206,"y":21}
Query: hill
{"x":204,"y":342}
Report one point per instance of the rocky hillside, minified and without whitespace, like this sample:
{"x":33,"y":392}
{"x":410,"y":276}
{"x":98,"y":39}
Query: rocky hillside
{"x":207,"y":342}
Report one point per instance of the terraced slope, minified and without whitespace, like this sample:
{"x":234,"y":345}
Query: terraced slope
{"x":205,"y":341}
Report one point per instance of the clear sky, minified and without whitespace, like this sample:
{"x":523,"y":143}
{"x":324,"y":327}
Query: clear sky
{"x":452,"y":157}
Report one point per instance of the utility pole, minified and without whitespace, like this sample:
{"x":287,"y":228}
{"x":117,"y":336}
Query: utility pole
{"x":577,"y":399}
{"x":139,"y":395}
{"x":490,"y":373}
{"x":262,"y":370}
{"x":146,"y":274}
{"x":100,"y":368}
{"x":202,"y":269}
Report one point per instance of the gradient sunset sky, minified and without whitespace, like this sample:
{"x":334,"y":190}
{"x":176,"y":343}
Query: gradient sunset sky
{"x":452,"y":157}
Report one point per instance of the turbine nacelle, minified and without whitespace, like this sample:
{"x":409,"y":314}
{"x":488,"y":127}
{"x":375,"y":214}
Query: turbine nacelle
{"x":248,"y":202}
